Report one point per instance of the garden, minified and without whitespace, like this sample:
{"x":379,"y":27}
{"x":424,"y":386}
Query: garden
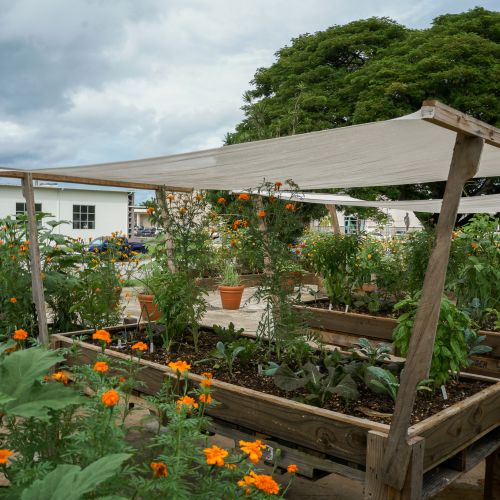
{"x":303,"y":394}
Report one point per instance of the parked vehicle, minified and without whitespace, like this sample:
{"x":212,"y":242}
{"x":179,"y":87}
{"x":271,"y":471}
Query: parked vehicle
{"x":127,"y":247}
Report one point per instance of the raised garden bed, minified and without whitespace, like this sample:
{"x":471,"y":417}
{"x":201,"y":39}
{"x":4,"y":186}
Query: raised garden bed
{"x":339,"y":439}
{"x":345,"y":328}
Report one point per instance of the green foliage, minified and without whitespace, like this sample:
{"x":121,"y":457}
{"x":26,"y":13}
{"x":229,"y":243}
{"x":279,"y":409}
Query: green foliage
{"x":229,"y":333}
{"x":226,"y":354}
{"x":450,"y":348}
{"x":70,"y":482}
{"x":23,"y":393}
{"x":318,"y":385}
{"x":229,"y":276}
{"x":334,"y":256}
{"x":375,"y":69}
{"x":373,"y":353}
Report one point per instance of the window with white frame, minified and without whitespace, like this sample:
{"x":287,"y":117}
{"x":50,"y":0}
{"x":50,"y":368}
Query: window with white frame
{"x":83,"y":216}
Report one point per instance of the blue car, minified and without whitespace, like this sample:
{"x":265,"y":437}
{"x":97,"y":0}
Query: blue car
{"x":127,"y":247}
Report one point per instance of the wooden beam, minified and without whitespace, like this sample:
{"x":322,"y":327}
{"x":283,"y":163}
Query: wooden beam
{"x":492,"y":476}
{"x":450,"y":118}
{"x":464,"y":165}
{"x":16,"y":174}
{"x":36,"y":270}
{"x":335,"y":220}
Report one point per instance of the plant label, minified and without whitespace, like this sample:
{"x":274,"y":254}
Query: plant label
{"x":268,"y":454}
{"x":443,"y":391}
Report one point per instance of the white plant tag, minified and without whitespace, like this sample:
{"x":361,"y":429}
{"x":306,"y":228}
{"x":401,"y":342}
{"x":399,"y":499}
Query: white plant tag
{"x":346,"y":308}
{"x":119,"y":343}
{"x":151,"y":347}
{"x":443,"y":391}
{"x":268,"y":453}
{"x":330,"y":306}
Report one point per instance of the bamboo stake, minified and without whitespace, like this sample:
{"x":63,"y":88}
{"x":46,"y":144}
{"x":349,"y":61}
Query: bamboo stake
{"x":36,"y":269}
{"x":464,"y":165}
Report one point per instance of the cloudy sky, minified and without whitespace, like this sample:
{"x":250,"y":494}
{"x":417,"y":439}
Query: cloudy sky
{"x":89,"y":81}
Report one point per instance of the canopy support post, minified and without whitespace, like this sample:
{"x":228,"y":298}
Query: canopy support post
{"x":36,"y":268}
{"x":332,"y":209}
{"x":464,"y":165}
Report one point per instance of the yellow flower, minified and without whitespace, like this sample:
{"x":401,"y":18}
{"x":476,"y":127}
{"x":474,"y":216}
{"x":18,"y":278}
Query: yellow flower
{"x":179,"y":366}
{"x":101,"y":366}
{"x":140,"y":346}
{"x":20,"y":334}
{"x":215,"y":455}
{"x":102,"y":335}
{"x":110,"y":398}
{"x":253,"y":449}
{"x":4,"y":455}
{"x":188,"y":402}
{"x":60,"y":377}
{"x":159,"y":469}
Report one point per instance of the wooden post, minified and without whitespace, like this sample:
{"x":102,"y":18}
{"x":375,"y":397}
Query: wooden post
{"x":464,"y":165}
{"x":335,"y":220}
{"x":492,"y":476}
{"x":161,"y":198}
{"x":36,"y":268}
{"x":375,"y":488}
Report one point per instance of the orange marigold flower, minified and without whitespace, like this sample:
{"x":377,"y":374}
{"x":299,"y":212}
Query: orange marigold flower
{"x":199,"y":197}
{"x":206,"y":382}
{"x":292,"y":469}
{"x":101,"y":366}
{"x":234,"y":243}
{"x":60,"y":377}
{"x":122,"y":380}
{"x":221,"y":201}
{"x":140,"y":346}
{"x":13,"y":300}
{"x":244,"y":197}
{"x":215,"y":455}
{"x":188,"y":402}
{"x":110,"y":398}
{"x":183,"y":210}
{"x":261,"y":214}
{"x":474,"y":245}
{"x":171,"y":197}
{"x":237,"y":223}
{"x":207,"y":375}
{"x":290,"y":206}
{"x":159,"y":469}
{"x":4,"y":455}
{"x":179,"y":366}
{"x":150,"y":210}
{"x":277,"y":185}
{"x":297,"y":251}
{"x":266,"y":484}
{"x":102,"y":335}
{"x":20,"y":334}
{"x":205,"y":399}
{"x":253,"y":449}
{"x":230,"y":466}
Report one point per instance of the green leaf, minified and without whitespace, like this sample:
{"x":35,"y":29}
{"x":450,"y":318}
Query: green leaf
{"x":69,"y":482}
{"x":286,"y":379}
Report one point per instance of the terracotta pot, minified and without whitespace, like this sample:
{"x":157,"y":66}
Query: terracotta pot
{"x":369,"y":287}
{"x":230,"y":296}
{"x":149,"y":310}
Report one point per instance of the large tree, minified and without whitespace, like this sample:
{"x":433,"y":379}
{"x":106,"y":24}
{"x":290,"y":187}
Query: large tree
{"x":376,"y":69}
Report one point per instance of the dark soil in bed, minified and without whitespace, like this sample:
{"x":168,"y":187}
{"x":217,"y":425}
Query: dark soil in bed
{"x":373,"y":406}
{"x":325,"y":304}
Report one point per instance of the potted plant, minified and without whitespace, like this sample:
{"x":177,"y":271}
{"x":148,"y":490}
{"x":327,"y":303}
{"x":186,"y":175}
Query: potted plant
{"x":146,"y":296}
{"x":230,"y":287}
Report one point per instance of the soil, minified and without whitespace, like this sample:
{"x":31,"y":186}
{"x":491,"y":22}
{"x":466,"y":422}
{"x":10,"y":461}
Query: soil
{"x":325,"y":304}
{"x":375,"y":407}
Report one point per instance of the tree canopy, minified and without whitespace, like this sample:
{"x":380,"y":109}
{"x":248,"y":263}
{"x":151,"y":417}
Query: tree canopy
{"x":376,"y":69}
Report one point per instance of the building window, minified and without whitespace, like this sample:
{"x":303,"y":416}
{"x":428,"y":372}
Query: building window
{"x":83,"y":216}
{"x":21,"y":208}
{"x":350,"y":224}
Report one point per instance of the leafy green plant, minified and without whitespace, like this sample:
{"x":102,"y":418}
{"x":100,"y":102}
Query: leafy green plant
{"x":229,"y":276}
{"x":228,"y":333}
{"x":474,"y":341}
{"x":450,"y":348}
{"x":227,"y":354}
{"x":319,"y":385}
{"x":373,"y":353}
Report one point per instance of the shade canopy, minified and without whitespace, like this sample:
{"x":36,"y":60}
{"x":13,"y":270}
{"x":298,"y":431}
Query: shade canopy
{"x":488,"y":204}
{"x":406,"y":150}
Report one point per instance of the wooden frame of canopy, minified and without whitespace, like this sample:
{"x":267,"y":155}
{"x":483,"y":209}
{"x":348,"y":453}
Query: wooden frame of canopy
{"x":401,"y":470}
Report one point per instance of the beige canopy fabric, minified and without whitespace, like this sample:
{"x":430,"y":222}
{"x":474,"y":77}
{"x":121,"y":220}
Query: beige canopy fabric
{"x":407,"y":150}
{"x":488,"y":204}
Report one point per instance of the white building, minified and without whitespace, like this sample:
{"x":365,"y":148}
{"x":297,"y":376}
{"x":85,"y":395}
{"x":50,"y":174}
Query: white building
{"x":396,"y":223}
{"x":89,"y":212}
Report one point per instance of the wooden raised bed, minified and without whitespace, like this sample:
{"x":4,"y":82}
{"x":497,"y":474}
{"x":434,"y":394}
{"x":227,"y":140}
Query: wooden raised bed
{"x":345,"y":329}
{"x":321,"y":439}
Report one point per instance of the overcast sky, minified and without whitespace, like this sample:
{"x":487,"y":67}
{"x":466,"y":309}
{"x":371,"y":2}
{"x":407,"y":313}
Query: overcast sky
{"x":95,"y":81}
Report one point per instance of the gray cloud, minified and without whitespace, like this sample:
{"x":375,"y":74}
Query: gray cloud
{"x":96,"y":81}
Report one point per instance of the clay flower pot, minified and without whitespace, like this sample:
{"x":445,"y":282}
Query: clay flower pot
{"x":149,"y":310}
{"x":230,"y":296}
{"x":369,"y":287}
